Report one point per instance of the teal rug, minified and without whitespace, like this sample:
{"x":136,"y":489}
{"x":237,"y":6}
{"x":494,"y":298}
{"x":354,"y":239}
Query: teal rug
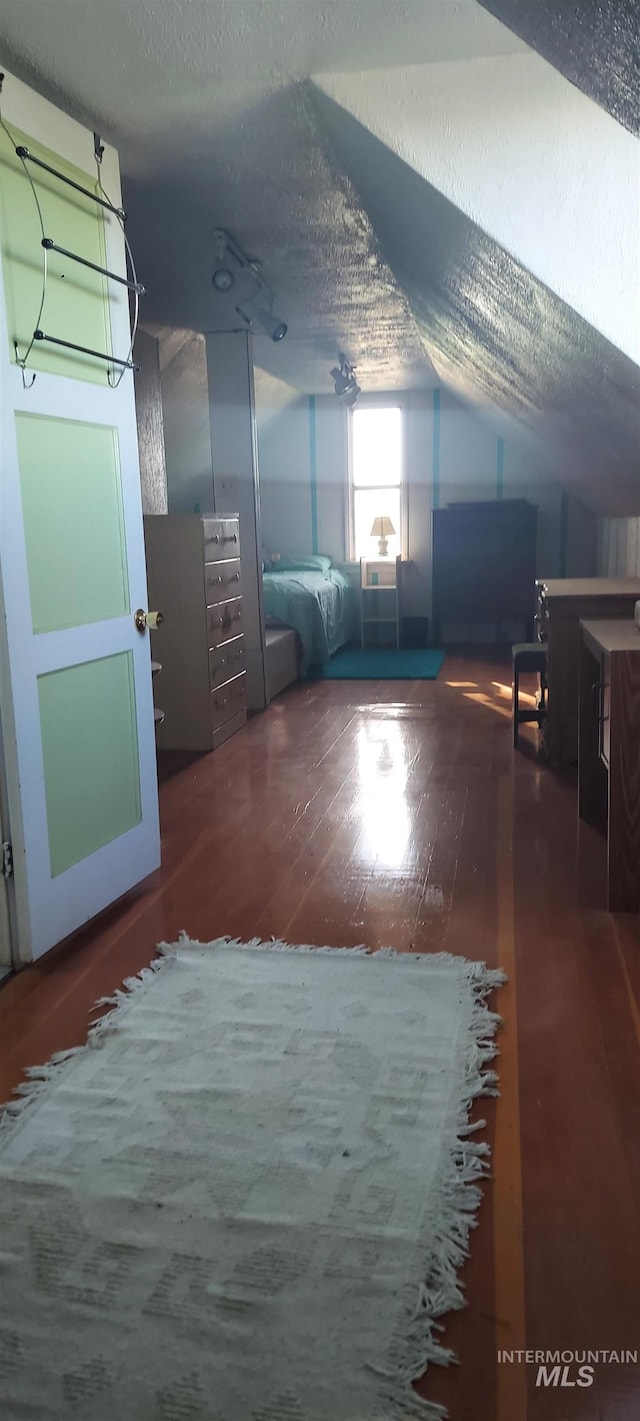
{"x":373,"y":665}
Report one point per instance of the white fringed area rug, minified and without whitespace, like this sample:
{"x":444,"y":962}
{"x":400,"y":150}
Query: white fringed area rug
{"x":246,"y":1199}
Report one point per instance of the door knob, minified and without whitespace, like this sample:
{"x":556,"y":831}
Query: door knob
{"x":144,"y":619}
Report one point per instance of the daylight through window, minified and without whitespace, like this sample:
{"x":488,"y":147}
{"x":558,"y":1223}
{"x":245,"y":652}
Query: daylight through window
{"x":376,"y":477}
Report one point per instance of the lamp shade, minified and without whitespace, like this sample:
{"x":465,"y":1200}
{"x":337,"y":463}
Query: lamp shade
{"x":382,"y":528}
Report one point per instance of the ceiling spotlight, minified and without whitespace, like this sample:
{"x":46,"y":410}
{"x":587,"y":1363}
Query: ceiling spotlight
{"x":273,"y":327}
{"x":350,"y":396}
{"x":258,"y":308}
{"x":340,"y":381}
{"x":344,"y":381}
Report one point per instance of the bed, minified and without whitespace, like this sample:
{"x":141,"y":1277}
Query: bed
{"x":309,"y":595}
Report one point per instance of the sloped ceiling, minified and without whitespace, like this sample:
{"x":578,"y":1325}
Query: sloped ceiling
{"x":272,"y":185}
{"x":537,"y":165}
{"x":594,"y":43}
{"x":493,"y":332}
{"x":204,"y":100}
{"x":209,"y":104}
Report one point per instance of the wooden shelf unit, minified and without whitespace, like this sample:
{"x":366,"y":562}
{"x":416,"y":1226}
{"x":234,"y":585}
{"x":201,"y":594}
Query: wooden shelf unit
{"x":380,"y":595}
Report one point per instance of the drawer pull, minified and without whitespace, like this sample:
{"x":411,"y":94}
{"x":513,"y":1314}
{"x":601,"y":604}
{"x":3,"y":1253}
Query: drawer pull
{"x":235,"y":578}
{"x":597,"y":691}
{"x":221,"y":703}
{"x":216,"y":579}
{"x":230,"y":538}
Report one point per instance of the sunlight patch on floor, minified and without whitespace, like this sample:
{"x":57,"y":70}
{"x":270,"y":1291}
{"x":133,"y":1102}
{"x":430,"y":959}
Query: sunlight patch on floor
{"x":507,"y":692}
{"x":383,"y":769}
{"x":484,"y":700}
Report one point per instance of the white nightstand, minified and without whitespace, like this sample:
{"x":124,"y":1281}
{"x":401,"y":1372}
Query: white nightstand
{"x":380,"y":597}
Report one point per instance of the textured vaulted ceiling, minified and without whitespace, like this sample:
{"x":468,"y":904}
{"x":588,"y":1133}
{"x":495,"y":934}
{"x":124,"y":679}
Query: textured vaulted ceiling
{"x":202,"y":99}
{"x":594,"y":43}
{"x":494,"y":333}
{"x":209,"y":104}
{"x":162,"y":73}
{"x":303,"y":218}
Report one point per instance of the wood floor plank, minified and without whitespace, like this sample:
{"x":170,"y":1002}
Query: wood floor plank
{"x":374,"y":812}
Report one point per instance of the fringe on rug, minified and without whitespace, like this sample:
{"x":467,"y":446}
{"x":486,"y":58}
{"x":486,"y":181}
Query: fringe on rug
{"x":468,"y":1161}
{"x":468,"y":1165}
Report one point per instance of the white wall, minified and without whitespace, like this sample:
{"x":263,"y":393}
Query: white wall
{"x":534,"y":162}
{"x":332,"y":471}
{"x":619,"y":547}
{"x":185,"y":409}
{"x":303,"y":456}
{"x":451,"y":455}
{"x":285,"y":479}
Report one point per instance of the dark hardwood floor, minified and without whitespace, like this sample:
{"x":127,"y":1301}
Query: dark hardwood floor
{"x":398,"y":813}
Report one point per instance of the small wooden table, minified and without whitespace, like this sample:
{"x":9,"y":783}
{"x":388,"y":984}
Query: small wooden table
{"x":609,"y":751}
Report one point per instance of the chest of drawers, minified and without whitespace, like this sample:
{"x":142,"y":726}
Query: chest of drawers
{"x":194,"y":575}
{"x":484,"y":564}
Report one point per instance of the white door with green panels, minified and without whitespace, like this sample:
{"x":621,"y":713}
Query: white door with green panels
{"x":75,"y":674}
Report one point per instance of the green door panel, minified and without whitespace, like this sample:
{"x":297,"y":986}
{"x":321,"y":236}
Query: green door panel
{"x":76,"y":306}
{"x":90,"y":752}
{"x":71,"y":487}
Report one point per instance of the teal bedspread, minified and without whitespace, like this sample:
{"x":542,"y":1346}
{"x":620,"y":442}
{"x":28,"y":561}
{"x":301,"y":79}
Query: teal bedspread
{"x":320,"y":606}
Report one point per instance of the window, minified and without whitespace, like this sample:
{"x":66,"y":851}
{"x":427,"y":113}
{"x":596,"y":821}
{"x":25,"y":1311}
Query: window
{"x":376,"y":477}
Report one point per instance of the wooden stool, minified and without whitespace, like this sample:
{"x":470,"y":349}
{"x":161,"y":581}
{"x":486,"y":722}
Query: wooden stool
{"x":528,"y":656}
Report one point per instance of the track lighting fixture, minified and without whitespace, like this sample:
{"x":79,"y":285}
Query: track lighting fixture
{"x":350,"y":396}
{"x":272,"y":325}
{"x":340,"y":382}
{"x":223,"y":278}
{"x":258,"y":306}
{"x":344,"y":381}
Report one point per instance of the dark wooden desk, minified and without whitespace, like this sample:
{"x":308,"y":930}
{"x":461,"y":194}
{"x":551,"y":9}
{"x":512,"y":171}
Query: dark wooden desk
{"x":609,"y":751}
{"x":562,"y":603}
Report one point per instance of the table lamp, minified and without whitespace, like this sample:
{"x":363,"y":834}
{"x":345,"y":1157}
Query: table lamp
{"x":382,"y":529}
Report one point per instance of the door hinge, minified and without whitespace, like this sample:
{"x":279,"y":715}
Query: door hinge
{"x":6,"y":860}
